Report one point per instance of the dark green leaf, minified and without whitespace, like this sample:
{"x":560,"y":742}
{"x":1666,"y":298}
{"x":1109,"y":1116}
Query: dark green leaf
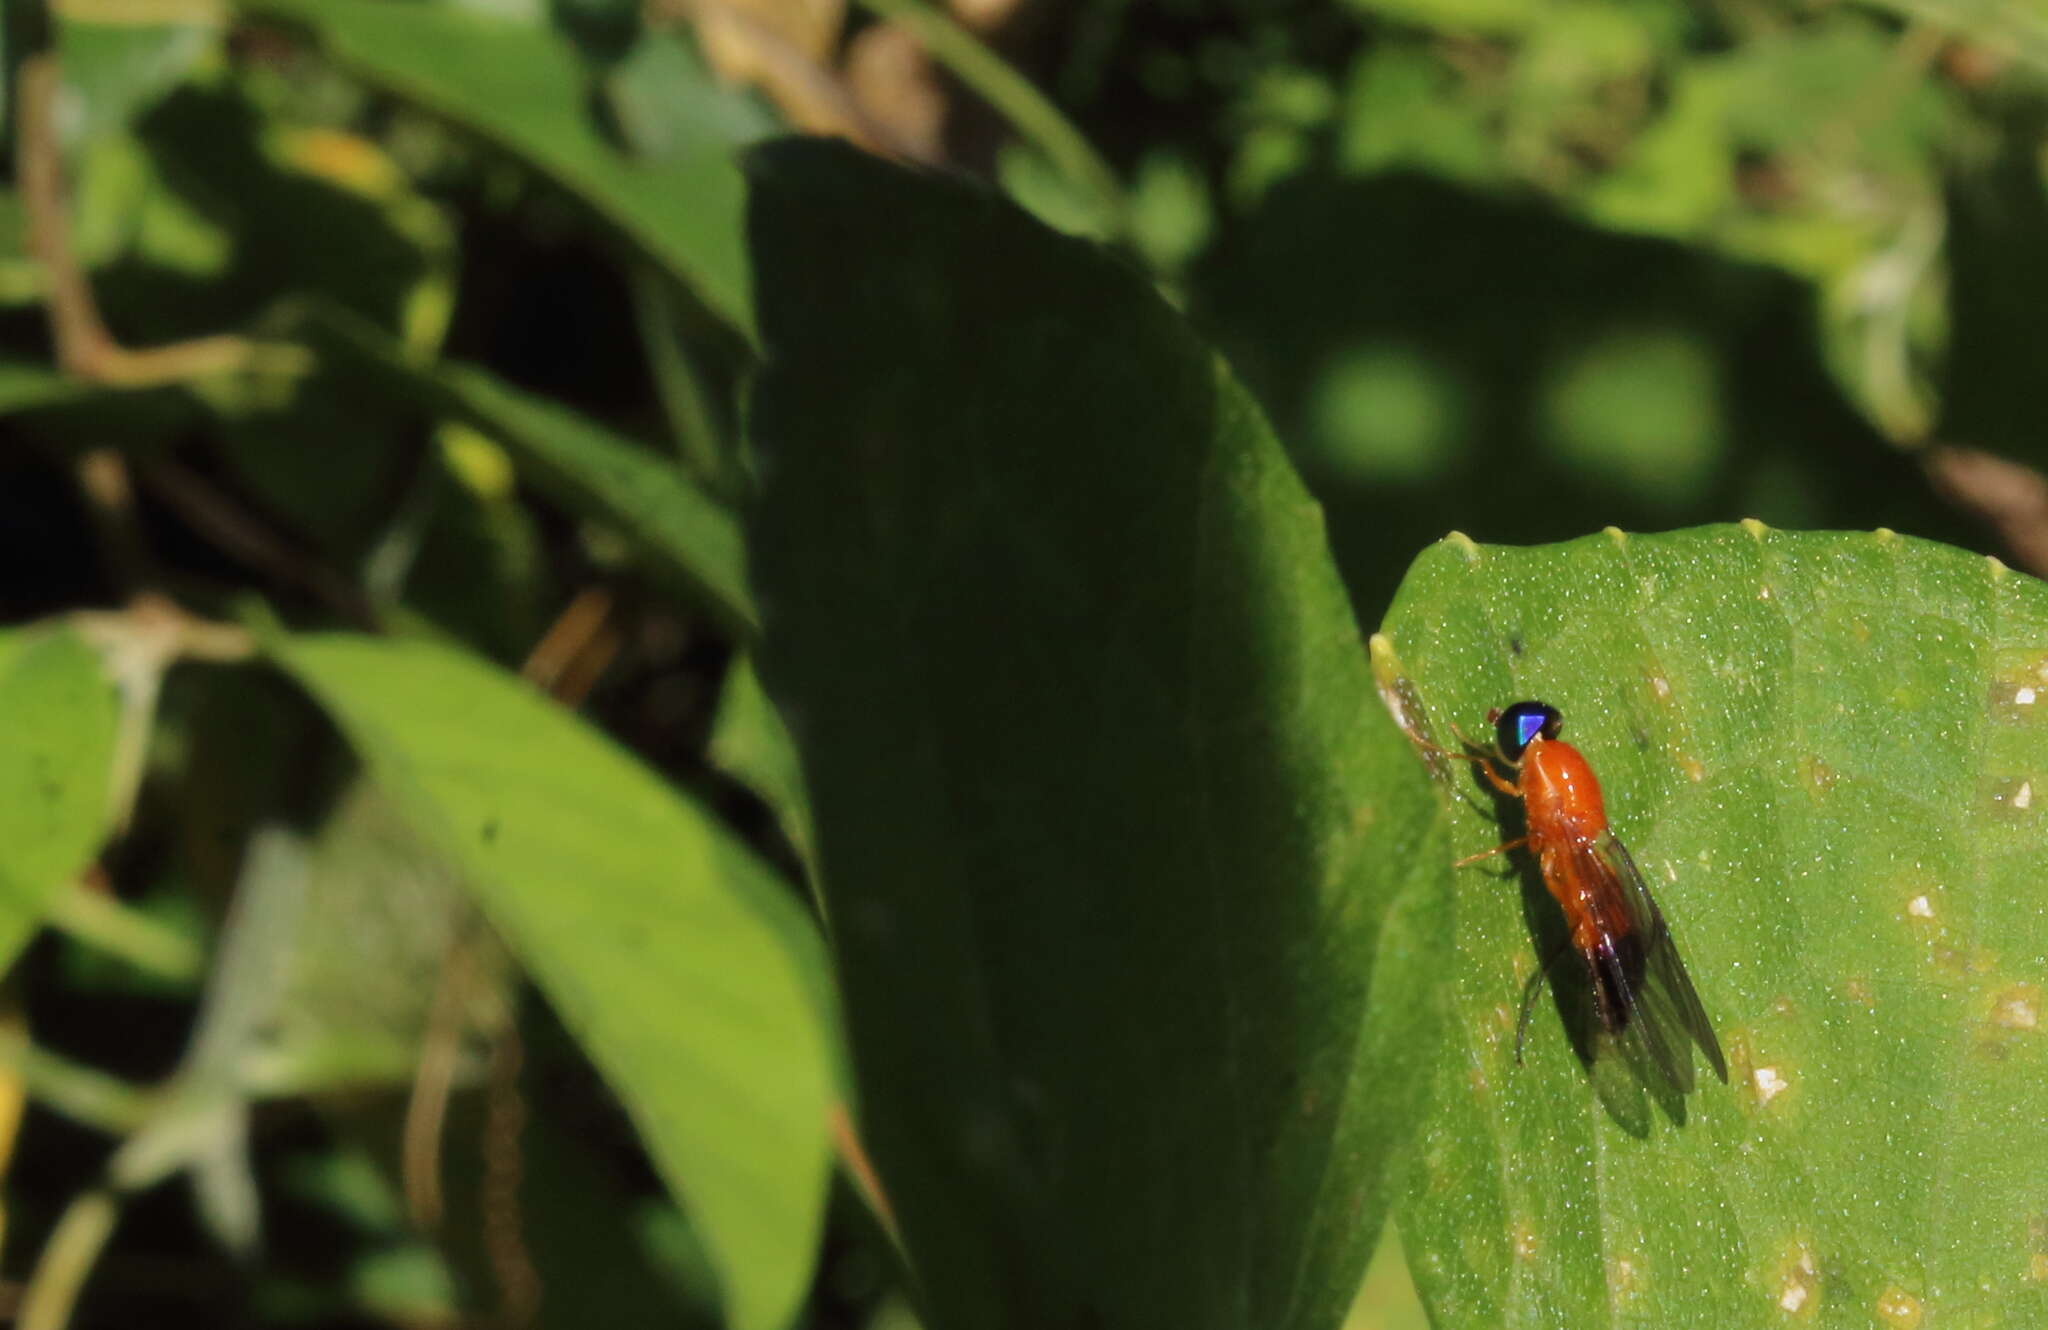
{"x":1108,"y":820}
{"x":750,"y":743}
{"x":689,"y":540}
{"x":688,"y":536}
{"x":676,"y":957}
{"x":1827,"y":753}
{"x":25,"y":387}
{"x":526,"y":89}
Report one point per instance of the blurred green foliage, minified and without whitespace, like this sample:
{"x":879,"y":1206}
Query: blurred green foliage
{"x":397,"y":346}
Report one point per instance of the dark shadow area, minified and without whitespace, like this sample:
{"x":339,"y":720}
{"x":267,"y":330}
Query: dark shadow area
{"x":1997,"y":212}
{"x":1437,"y":358}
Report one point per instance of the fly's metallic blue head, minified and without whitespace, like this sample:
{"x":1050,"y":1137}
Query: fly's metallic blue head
{"x":1522,"y":722}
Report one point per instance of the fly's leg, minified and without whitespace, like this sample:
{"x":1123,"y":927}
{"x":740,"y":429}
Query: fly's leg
{"x":1489,"y":761}
{"x":1483,"y":760}
{"x":1517,"y":843}
{"x":1529,"y":992}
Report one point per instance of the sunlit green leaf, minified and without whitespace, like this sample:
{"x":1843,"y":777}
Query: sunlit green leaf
{"x":676,"y":957}
{"x":1827,"y":753}
{"x":1108,"y":819}
{"x":58,"y":712}
{"x":1387,"y":1299}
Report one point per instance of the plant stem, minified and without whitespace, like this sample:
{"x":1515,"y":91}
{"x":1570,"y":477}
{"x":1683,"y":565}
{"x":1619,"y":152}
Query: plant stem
{"x":1030,"y":111}
{"x":97,"y":919}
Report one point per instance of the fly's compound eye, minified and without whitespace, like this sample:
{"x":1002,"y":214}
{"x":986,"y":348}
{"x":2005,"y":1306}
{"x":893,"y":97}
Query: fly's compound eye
{"x":1521,"y":723}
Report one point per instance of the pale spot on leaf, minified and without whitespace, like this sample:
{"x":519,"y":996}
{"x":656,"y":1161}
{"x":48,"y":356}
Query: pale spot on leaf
{"x":1799,"y":1290}
{"x":2018,"y":1008}
{"x":1899,"y":1309}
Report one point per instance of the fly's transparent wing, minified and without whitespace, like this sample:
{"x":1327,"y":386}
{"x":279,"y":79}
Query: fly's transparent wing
{"x":1651,"y":993}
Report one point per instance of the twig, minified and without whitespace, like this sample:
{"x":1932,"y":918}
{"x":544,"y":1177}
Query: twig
{"x":84,"y":346}
{"x":213,"y":515}
{"x":814,"y":97}
{"x":165,"y":630}
{"x":67,"y":1258}
{"x":853,"y":1157}
{"x":519,"y":1289}
{"x":139,"y":644}
{"x":1030,"y":112}
{"x":99,"y":919}
{"x":426,"y":1110}
{"x":2011,"y":497}
{"x":85,"y":1095}
{"x":13,"y":1085}
{"x":110,"y":498}
{"x":567,"y":638}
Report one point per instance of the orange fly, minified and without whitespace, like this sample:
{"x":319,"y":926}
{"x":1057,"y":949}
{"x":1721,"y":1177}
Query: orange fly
{"x":1640,"y":987}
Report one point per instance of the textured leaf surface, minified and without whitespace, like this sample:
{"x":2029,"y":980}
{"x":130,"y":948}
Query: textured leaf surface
{"x":669,"y":949}
{"x":58,"y":712}
{"x":1827,"y":753}
{"x":1108,"y":819}
{"x":525,"y":88}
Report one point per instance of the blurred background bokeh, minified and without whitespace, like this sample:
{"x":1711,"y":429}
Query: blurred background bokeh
{"x":1521,"y":268}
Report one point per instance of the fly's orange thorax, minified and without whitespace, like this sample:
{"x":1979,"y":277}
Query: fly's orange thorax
{"x":1560,"y":792}
{"x":1561,"y":797}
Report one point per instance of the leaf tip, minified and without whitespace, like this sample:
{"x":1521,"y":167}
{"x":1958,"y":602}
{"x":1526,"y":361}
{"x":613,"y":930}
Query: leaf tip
{"x":1885,"y":535}
{"x":1756,"y":529}
{"x":1464,"y":545}
{"x":1615,"y":534}
{"x":1997,"y":566}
